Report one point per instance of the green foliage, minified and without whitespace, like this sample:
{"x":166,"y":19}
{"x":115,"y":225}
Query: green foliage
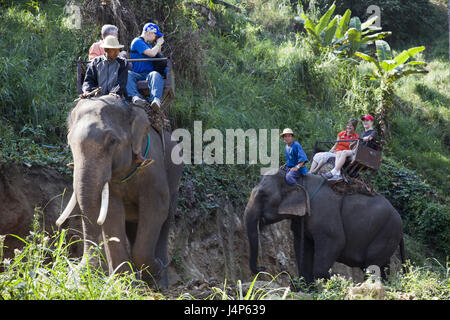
{"x":428,"y":282}
{"x":391,"y":68}
{"x":345,"y":35}
{"x":43,"y":270}
{"x":37,"y":70}
{"x":425,"y":214}
{"x":322,"y":32}
{"x":403,"y":18}
{"x":28,"y":147}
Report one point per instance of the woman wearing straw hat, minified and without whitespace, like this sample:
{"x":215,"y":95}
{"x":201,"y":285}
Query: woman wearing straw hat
{"x":108,"y":72}
{"x":295,"y":158}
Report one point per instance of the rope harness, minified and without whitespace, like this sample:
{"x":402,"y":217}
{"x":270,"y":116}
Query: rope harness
{"x":139,"y":166}
{"x":316,"y":190}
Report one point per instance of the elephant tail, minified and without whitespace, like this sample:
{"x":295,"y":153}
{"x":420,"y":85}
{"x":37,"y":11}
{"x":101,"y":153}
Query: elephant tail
{"x":402,"y":254}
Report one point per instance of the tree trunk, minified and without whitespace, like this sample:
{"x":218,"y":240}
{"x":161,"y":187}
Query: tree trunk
{"x":385,"y":104}
{"x":448,"y":8}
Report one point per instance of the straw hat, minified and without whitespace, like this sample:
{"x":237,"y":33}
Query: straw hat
{"x":111,"y":42}
{"x":287,"y":131}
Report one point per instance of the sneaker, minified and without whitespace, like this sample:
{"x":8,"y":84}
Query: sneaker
{"x":138,"y":101}
{"x":335,"y":177}
{"x":156,"y":104}
{"x":327,"y":175}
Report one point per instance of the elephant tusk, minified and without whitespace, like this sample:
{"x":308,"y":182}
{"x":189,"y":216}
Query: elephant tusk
{"x":67,"y":211}
{"x":104,"y":205}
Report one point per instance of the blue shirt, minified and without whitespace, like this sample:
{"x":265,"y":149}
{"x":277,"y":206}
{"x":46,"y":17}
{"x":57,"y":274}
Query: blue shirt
{"x":294,"y":155}
{"x":138,"y":46}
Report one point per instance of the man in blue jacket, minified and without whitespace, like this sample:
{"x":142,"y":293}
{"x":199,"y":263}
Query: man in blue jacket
{"x":295,"y":158}
{"x":144,"y":70}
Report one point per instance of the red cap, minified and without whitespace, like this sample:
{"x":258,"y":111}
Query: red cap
{"x":368,"y":117}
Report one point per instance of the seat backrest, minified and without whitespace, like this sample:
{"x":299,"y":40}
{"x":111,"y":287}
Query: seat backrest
{"x":367,"y":156}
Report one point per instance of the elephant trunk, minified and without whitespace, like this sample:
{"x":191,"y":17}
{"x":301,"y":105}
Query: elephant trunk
{"x":252,"y":219}
{"x":91,"y":188}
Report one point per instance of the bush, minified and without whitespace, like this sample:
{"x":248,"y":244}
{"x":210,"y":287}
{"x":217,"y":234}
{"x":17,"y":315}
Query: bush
{"x":423,"y":215}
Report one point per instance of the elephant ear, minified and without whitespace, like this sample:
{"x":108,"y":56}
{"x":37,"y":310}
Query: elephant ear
{"x":140,"y":127}
{"x":295,"y":202}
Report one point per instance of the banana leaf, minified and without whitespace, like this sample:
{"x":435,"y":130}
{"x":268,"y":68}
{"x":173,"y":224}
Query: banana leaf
{"x":383,"y":50}
{"x":417,"y":63}
{"x":343,"y":24}
{"x":376,"y":36}
{"x":330,"y":31}
{"x":354,"y":38}
{"x":368,"y":23}
{"x":323,"y":22}
{"x":355,"y":23}
{"x":388,"y":65}
{"x":368,"y":58}
{"x":415,"y":50}
{"x":397,"y":75}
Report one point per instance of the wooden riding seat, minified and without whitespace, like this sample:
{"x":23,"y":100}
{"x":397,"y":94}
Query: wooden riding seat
{"x":365,"y":159}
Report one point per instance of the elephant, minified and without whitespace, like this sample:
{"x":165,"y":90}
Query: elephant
{"x":357,"y":230}
{"x":134,"y":205}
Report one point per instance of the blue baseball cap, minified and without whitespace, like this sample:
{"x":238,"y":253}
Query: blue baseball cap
{"x":151,"y":27}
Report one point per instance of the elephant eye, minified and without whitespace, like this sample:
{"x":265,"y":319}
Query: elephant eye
{"x":111,"y":139}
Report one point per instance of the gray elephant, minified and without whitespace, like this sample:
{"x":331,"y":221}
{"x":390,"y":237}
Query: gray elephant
{"x":133,"y":206}
{"x":357,"y":230}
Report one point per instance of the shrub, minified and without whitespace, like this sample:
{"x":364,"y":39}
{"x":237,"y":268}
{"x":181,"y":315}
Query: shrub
{"x":419,"y":205}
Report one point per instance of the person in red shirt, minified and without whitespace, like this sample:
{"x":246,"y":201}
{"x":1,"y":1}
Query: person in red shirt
{"x":96,"y":49}
{"x":343,"y":149}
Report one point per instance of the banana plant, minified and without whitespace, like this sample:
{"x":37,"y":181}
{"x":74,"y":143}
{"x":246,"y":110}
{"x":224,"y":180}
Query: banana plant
{"x":323,"y":31}
{"x":343,"y":34}
{"x":388,"y":69}
{"x":353,"y":36}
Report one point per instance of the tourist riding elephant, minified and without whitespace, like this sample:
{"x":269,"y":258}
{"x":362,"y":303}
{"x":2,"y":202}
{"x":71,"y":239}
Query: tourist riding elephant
{"x":357,"y":230}
{"x":128,"y":210}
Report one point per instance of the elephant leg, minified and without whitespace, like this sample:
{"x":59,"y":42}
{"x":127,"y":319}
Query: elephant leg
{"x":153,"y":212}
{"x":308,"y":258}
{"x":161,"y":254}
{"x":303,"y":251}
{"x":326,"y":251}
{"x":115,"y":237}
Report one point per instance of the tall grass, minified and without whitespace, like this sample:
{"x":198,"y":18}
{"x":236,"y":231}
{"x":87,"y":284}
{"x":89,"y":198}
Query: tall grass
{"x":43,"y":269}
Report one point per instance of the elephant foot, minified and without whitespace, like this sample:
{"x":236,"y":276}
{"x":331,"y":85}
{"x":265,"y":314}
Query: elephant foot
{"x":162,"y":275}
{"x":156,"y":274}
